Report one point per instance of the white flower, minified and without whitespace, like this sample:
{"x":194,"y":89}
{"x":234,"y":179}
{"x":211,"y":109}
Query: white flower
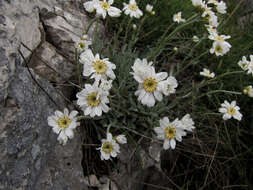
{"x":96,"y":67}
{"x":90,"y":5}
{"x":109,"y":148}
{"x":198,"y":3}
{"x":250,"y":66}
{"x":220,"y":48}
{"x":248,"y":90}
{"x":221,"y":7}
{"x":216,"y":37}
{"x":149,"y":9}
{"x":244,"y":63}
{"x":141,"y":67}
{"x":104,"y":7}
{"x":83,"y":44}
{"x":132,"y":9}
{"x":170,"y":132}
{"x":121,"y":139}
{"x":230,"y":110}
{"x":211,"y":29}
{"x":207,"y":73}
{"x":175,"y":49}
{"x":213,"y":20}
{"x":63,"y":124}
{"x":187,"y":123}
{"x":149,"y":84}
{"x":92,"y":100}
{"x":207,"y":11}
{"x":169,"y":86}
{"x":195,"y":39}
{"x":178,"y":17}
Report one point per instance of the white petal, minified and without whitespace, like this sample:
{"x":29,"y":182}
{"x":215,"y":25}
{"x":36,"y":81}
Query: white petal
{"x":173,"y":143}
{"x":166,"y":145}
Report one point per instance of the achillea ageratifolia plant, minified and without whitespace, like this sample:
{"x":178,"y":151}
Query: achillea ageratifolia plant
{"x":129,"y":88}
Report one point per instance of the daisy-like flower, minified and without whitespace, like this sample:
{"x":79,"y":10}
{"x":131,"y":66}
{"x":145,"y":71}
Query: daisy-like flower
{"x":170,"y":132}
{"x":213,"y":20}
{"x":96,"y":67}
{"x":221,"y":7}
{"x":230,"y":110}
{"x":248,"y":90}
{"x":244,"y":63}
{"x":211,"y":29}
{"x":207,"y":11}
{"x":141,"y":67}
{"x":90,"y":5}
{"x":121,"y":139}
{"x":93,"y":100}
{"x":216,"y":37}
{"x":132,"y":9}
{"x":83,"y":44}
{"x":149,"y":9}
{"x":207,"y":73}
{"x":187,"y":123}
{"x":220,"y":48}
{"x":103,"y":8}
{"x":63,"y":123}
{"x":109,"y":148}
{"x":169,"y":86}
{"x":178,"y":17}
{"x":195,"y":39}
{"x":150,"y":88}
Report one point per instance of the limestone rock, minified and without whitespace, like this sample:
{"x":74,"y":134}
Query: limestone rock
{"x":31,"y":157}
{"x":51,"y":65}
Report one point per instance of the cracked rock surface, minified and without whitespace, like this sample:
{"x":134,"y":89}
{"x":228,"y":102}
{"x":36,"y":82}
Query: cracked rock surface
{"x":30,"y":156}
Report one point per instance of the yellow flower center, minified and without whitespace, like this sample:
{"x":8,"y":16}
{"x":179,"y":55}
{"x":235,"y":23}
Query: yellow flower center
{"x":218,"y":49}
{"x":150,"y":84}
{"x":92,"y":99}
{"x":170,"y":132}
{"x":64,"y":122}
{"x":105,"y":5}
{"x":132,"y":7}
{"x":231,"y":111}
{"x":81,"y":45}
{"x":100,"y":66}
{"x":244,"y":65}
{"x":219,"y":38}
{"x":107,"y":147}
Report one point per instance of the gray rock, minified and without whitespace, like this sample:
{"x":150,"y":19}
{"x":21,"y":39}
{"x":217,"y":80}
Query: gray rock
{"x":51,"y":65}
{"x":31,"y":157}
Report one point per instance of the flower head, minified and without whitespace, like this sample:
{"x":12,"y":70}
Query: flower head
{"x":221,"y":7}
{"x":169,"y":86}
{"x":187,"y":123}
{"x":104,"y":7}
{"x":198,"y":3}
{"x":132,"y":9}
{"x":90,"y":5}
{"x":195,"y":39}
{"x":83,"y":44}
{"x":207,"y":73}
{"x":93,"y":100}
{"x":109,"y":147}
{"x":96,"y":67}
{"x":149,"y":9}
{"x":244,"y":63}
{"x":220,"y":48}
{"x":230,"y":110}
{"x":121,"y":139}
{"x":63,"y":123}
{"x":178,"y":17}
{"x":248,"y":90}
{"x":170,"y":132}
{"x":150,"y":88}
